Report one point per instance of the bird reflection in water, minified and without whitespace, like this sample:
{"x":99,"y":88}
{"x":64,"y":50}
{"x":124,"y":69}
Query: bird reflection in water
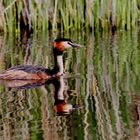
{"x":61,"y":105}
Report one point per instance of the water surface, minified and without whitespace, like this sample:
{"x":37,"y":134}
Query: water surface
{"x":101,"y":80}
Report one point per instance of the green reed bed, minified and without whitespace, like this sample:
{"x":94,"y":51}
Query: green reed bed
{"x":70,"y":14}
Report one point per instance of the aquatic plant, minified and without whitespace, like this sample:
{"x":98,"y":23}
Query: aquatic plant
{"x":68,"y":14}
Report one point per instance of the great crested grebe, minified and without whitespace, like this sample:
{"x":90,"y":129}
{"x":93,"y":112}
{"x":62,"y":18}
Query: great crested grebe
{"x":28,"y":72}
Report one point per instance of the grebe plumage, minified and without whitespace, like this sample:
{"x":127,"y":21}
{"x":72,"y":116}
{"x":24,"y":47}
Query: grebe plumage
{"x":28,"y":72}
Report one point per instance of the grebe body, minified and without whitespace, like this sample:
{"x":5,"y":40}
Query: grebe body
{"x":28,"y":72}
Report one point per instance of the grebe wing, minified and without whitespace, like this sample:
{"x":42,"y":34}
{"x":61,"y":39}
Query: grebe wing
{"x":25,"y":72}
{"x":29,"y":68}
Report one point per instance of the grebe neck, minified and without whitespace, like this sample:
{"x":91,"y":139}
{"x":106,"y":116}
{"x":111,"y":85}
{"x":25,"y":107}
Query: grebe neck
{"x":59,"y":89}
{"x":58,"y":60}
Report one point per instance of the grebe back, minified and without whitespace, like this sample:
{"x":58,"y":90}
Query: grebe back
{"x":28,"y":72}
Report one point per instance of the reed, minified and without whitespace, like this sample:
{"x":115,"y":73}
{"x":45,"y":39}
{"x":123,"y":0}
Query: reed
{"x":69,"y":14}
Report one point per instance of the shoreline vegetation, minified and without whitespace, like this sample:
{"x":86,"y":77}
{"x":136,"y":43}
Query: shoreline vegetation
{"x":18,"y":15}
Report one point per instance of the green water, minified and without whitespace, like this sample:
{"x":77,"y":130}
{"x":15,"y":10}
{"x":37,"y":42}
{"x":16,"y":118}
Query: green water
{"x":102,"y":78}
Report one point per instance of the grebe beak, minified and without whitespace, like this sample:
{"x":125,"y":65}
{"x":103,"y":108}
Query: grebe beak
{"x":74,"y":45}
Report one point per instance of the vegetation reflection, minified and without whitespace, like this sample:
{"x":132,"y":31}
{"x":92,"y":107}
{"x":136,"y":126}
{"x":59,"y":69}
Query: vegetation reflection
{"x":102,"y":79}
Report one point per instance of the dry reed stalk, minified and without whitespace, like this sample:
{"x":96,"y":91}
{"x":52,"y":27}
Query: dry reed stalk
{"x":55,"y":14}
{"x":2,"y":19}
{"x":25,"y":21}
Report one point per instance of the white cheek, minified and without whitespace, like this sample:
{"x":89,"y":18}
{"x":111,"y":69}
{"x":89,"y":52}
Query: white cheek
{"x":66,"y":45}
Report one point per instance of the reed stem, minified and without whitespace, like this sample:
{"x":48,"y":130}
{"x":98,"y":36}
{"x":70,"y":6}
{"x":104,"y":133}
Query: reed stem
{"x":70,"y":14}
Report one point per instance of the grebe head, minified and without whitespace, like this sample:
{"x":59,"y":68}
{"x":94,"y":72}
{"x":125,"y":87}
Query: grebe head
{"x":60,"y":44}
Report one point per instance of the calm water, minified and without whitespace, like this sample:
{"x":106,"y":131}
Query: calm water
{"x":101,"y":81}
